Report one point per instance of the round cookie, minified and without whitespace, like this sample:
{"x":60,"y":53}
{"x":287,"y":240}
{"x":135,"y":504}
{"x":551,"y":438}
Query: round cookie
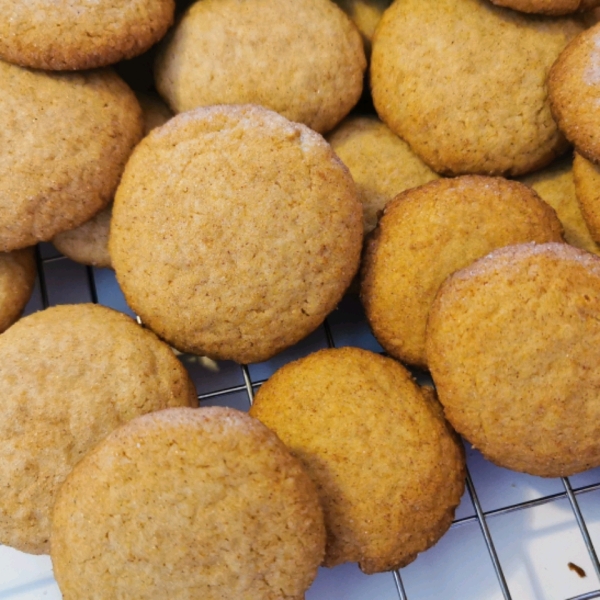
{"x":17,"y":278}
{"x":382,"y":165}
{"x":68,"y":376}
{"x":388,"y":470}
{"x":235,"y":232}
{"x":70,"y":136}
{"x":185,"y":503}
{"x":513,"y":344}
{"x":555,"y":185}
{"x":67,"y":35}
{"x":587,"y":185}
{"x":548,"y":7}
{"x":88,"y":243}
{"x":365,"y":14}
{"x":463,"y":82}
{"x":573,"y":88}
{"x":427,"y":233}
{"x":301,"y":58}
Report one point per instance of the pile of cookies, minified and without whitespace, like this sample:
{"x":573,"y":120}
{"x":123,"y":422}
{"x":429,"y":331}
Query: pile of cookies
{"x":227,"y":160}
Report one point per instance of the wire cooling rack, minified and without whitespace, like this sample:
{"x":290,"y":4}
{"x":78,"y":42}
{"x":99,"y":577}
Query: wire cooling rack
{"x":514,"y":536}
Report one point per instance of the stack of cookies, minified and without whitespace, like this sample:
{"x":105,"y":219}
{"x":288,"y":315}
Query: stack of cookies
{"x":237,"y":174}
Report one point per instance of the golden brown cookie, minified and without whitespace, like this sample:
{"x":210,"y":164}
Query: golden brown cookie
{"x":185,"y":504}
{"x":365,"y":14}
{"x":17,"y":278}
{"x":427,"y":233}
{"x":235,"y":232}
{"x":513,"y":344}
{"x":463,"y":82}
{"x":381,"y":164}
{"x":81,"y":34}
{"x":555,"y":185}
{"x":69,"y":137}
{"x":301,"y":58}
{"x":587,"y":187}
{"x":548,"y":7}
{"x":574,"y":91}
{"x":68,"y":376}
{"x":388,"y":469}
{"x":88,"y":243}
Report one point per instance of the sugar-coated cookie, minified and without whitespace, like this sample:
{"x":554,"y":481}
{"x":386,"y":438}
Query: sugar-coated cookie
{"x":188,"y":503}
{"x":80,"y":34}
{"x":17,"y":278}
{"x":302,"y":58}
{"x":68,"y":376}
{"x":464,"y":83}
{"x":587,"y":187}
{"x":235,"y":232}
{"x":388,"y":469}
{"x":66,"y":138}
{"x":427,"y":233}
{"x":513,"y":344}
{"x":365,"y":14}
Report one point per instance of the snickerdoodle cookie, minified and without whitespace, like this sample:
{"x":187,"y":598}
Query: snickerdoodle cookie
{"x":17,"y":278}
{"x":548,"y":7}
{"x":513,"y":344}
{"x":80,"y":34}
{"x":587,"y":188}
{"x":464,"y":83}
{"x":185,"y":504}
{"x":365,"y":14}
{"x":381,"y":164}
{"x":388,"y":469}
{"x":301,"y":58}
{"x":235,"y":232}
{"x":574,"y":90}
{"x":66,"y":137}
{"x":68,"y":376}
{"x":88,"y":243}
{"x":429,"y":232}
{"x":555,"y":185}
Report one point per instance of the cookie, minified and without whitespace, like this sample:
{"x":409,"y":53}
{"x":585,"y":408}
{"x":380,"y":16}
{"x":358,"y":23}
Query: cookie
{"x":84,"y":34}
{"x":463,"y":83}
{"x":301,"y":58}
{"x":70,"y":136}
{"x":388,"y":470}
{"x":548,"y":7}
{"x":365,"y":14}
{"x":185,"y":503}
{"x":68,"y":376}
{"x":88,"y":243}
{"x":235,"y":232}
{"x":574,"y":95}
{"x":555,"y":185}
{"x":381,"y":164}
{"x":427,"y":233}
{"x":513,"y":344}
{"x":587,"y":183}
{"x":17,"y":278}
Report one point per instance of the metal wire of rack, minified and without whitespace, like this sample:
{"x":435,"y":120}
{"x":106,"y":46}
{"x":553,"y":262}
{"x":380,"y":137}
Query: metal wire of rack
{"x":480,"y":558}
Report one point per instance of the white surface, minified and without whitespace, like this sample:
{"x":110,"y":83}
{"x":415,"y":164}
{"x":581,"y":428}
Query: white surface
{"x":534,"y":544}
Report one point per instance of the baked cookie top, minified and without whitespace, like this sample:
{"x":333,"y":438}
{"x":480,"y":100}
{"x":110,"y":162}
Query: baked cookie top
{"x":513,"y":344}
{"x":184,"y":503}
{"x":301,"y":58}
{"x":382,"y":165}
{"x":17,"y":278}
{"x":464,"y":83}
{"x":574,"y":91}
{"x":68,"y":376}
{"x":555,"y":185}
{"x":80,"y":34}
{"x":235,"y":232}
{"x":388,"y":470}
{"x":88,"y":243}
{"x":587,"y":187}
{"x":548,"y":7}
{"x":427,"y":233}
{"x":69,"y":135}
